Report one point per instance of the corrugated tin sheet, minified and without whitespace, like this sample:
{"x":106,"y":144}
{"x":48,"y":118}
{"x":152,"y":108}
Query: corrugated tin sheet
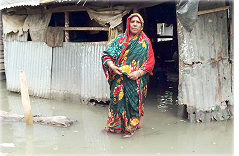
{"x":37,"y":106}
{"x":35,"y":59}
{"x":2,"y":68}
{"x":72,"y":72}
{"x":205,"y":72}
{"x":16,"y":37}
{"x":15,"y":3}
{"x":77,"y":72}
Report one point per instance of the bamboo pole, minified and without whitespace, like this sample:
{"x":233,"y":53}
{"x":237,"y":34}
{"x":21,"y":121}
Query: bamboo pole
{"x":86,"y":28}
{"x":67,"y":24}
{"x":25,"y":99}
{"x":213,"y":10}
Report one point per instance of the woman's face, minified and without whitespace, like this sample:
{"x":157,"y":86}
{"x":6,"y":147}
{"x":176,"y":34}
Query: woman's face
{"x":135,"y":25}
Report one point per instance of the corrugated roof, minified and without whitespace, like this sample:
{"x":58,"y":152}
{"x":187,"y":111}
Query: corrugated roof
{"x":15,"y":3}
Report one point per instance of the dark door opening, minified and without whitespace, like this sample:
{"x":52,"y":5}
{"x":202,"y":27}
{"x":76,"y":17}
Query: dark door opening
{"x":161,"y":28}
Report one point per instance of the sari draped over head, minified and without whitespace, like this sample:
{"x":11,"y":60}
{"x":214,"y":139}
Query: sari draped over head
{"x":126,"y":95}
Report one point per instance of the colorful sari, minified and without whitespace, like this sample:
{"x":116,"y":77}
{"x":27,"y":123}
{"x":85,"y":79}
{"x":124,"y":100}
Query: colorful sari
{"x":126,"y":95}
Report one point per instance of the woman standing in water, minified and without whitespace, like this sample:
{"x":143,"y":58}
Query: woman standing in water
{"x":126,"y":62}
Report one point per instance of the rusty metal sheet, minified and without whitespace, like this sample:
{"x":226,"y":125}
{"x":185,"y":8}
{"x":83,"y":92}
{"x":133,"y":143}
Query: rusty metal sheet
{"x":205,"y":78}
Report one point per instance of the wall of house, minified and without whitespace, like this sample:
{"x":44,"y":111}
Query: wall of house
{"x":71,"y":73}
{"x":205,"y":69}
{"x":77,"y":73}
{"x":35,"y":59}
{"x":2,"y":68}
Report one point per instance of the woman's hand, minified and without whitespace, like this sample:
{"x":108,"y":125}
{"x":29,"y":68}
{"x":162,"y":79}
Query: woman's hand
{"x":116,"y":69}
{"x":134,"y":75}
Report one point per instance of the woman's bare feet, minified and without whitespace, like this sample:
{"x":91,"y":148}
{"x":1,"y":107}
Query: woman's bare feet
{"x":108,"y":129}
{"x":140,"y":123}
{"x":105,"y":130}
{"x":128,"y":135}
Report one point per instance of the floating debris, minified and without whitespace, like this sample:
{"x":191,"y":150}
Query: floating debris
{"x":60,"y":121}
{"x":7,"y":145}
{"x":165,"y":100}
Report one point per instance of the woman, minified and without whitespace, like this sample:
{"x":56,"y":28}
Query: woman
{"x":126,"y":62}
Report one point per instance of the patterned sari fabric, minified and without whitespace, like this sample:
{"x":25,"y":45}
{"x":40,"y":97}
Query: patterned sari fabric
{"x":126,"y":95}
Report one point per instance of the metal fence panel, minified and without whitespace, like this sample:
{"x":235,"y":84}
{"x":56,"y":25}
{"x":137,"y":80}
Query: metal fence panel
{"x":205,"y":72}
{"x":77,"y":72}
{"x":34,"y":58}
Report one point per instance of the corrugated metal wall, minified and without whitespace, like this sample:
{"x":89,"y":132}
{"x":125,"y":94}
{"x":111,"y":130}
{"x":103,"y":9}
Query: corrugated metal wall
{"x":72,"y":72}
{"x":205,"y":76}
{"x":2,"y":68}
{"x":77,"y":72}
{"x":35,"y":58}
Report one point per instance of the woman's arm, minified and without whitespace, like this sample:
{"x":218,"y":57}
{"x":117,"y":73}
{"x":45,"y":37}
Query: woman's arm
{"x":113,"y":67}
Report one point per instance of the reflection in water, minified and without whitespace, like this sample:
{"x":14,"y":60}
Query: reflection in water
{"x":97,"y":142}
{"x":29,"y":140}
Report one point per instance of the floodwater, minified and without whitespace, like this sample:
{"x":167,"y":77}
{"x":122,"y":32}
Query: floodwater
{"x":162,"y":134}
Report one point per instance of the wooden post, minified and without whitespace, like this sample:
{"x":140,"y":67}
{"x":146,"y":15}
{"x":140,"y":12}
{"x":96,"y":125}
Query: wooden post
{"x":213,"y":10}
{"x":67,"y":24}
{"x":25,"y":99}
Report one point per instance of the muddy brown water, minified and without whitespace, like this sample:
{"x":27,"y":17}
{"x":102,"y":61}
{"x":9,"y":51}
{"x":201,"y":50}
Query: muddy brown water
{"x":163,"y":132}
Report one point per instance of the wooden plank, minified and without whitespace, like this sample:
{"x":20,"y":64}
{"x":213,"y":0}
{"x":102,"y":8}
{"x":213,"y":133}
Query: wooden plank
{"x":67,"y":35}
{"x":1,"y":55}
{"x":87,"y":28}
{"x":46,"y":1}
{"x":25,"y":99}
{"x":24,"y":11}
{"x":64,"y":9}
{"x":2,"y":71}
{"x":1,"y":60}
{"x":1,"y":47}
{"x":2,"y":66}
{"x":213,"y":10}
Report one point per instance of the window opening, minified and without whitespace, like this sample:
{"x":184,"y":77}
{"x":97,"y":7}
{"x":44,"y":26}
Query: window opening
{"x":81,"y":27}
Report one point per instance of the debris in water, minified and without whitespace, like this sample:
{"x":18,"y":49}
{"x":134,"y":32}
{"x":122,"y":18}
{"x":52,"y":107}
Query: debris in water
{"x":7,"y":144}
{"x":164,"y":100}
{"x":55,"y":148}
{"x":61,"y":121}
{"x":199,"y":120}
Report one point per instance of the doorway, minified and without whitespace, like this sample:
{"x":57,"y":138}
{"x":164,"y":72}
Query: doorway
{"x":161,"y":27}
